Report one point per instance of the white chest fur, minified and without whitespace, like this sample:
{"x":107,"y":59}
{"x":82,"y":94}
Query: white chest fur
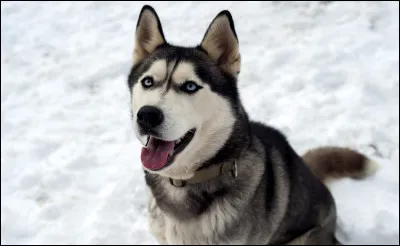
{"x":208,"y":228}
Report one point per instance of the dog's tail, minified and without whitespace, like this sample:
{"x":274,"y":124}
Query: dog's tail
{"x":331,"y":163}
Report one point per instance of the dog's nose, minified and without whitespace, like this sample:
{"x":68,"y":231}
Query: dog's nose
{"x":149,"y":117}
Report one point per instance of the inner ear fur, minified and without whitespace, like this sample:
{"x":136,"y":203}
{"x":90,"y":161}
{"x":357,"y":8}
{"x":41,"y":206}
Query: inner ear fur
{"x":221,"y":43}
{"x":149,"y":34}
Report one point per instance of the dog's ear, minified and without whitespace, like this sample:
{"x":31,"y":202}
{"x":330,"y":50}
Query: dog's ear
{"x":221,"y":43}
{"x":149,"y":34}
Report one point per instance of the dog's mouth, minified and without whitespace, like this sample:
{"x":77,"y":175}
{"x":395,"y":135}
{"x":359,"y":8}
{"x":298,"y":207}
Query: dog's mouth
{"x":158,"y":153}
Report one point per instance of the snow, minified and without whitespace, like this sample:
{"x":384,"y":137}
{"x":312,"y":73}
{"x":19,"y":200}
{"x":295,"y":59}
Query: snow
{"x":322,"y":72}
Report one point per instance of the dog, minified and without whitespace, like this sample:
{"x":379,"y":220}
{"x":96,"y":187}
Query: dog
{"x":213,"y":175}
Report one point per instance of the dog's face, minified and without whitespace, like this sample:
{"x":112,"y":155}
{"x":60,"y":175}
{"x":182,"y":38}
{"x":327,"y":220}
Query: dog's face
{"x":183,"y":99}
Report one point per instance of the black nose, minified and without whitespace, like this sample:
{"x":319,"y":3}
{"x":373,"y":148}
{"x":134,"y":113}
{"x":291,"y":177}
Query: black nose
{"x":149,"y":117}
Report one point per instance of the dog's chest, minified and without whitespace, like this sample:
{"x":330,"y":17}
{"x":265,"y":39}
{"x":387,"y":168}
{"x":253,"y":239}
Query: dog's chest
{"x":212,"y":227}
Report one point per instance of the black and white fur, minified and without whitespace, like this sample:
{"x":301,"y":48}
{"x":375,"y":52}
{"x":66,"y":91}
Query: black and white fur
{"x":275,"y":199}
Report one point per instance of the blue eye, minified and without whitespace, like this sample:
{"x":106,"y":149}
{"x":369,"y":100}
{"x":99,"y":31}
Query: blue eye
{"x":190,"y":87}
{"x":147,"y":82}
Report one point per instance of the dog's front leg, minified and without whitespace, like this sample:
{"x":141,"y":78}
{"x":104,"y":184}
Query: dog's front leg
{"x":156,"y":221}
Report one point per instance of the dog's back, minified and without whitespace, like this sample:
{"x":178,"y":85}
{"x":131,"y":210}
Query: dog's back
{"x":308,"y":203}
{"x":310,"y":210}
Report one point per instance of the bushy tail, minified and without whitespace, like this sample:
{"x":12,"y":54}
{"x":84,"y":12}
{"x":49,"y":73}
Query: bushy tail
{"x":330,"y":163}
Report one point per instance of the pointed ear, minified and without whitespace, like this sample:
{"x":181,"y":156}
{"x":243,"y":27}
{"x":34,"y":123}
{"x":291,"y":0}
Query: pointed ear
{"x":149,"y":34}
{"x":221,"y":43}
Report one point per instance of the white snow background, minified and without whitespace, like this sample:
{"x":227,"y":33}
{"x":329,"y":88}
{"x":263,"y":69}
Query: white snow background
{"x":322,"y":72}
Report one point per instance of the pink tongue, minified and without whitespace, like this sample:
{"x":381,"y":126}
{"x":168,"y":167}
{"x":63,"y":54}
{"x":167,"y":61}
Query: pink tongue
{"x":155,"y":155}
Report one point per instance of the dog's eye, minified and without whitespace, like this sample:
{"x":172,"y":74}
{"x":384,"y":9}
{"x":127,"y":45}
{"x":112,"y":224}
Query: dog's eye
{"x":147,"y":82}
{"x":190,"y":87}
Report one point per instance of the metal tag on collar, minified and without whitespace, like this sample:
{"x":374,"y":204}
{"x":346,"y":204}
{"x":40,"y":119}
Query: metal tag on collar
{"x":177,"y":182}
{"x":234,"y":170}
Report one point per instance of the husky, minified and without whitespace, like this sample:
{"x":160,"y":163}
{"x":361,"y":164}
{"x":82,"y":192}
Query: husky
{"x":213,"y":175}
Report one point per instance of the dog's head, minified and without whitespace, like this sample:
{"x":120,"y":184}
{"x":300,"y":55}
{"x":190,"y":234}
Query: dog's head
{"x":184,"y":100}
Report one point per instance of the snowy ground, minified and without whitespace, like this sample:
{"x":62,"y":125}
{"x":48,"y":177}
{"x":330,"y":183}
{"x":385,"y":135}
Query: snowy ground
{"x":324,"y":73}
